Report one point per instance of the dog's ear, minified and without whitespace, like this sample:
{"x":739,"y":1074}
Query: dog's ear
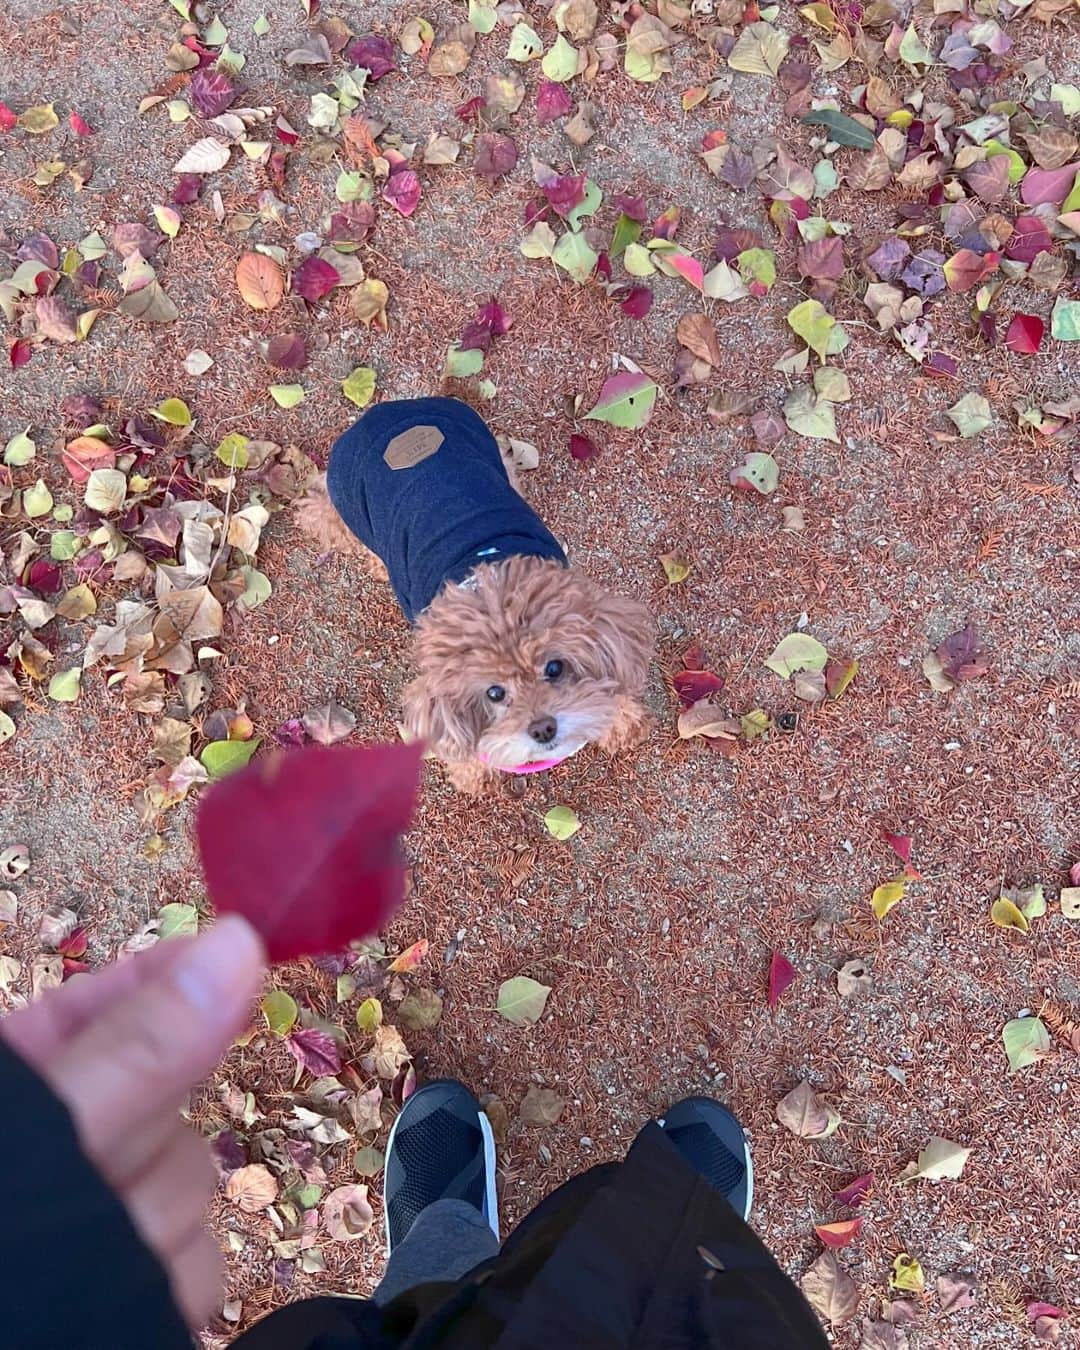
{"x":623,"y":638}
{"x":450,"y":726}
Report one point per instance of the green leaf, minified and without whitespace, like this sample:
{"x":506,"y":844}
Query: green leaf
{"x":359,"y":387}
{"x":233,"y":450}
{"x":1017,"y":167}
{"x":521,"y":1000}
{"x":177,"y":920}
{"x":38,"y":500}
{"x":63,"y":545}
{"x":460,"y":365}
{"x":224,"y":757}
{"x":576,"y":257}
{"x":105,"y":491}
{"x":287,"y":395}
{"x":174,"y":411}
{"x":760,"y":470}
{"x":842,"y":129}
{"x":482,"y":16}
{"x":886,"y":896}
{"x":562,"y":822}
{"x":261,"y":26}
{"x":757,"y":264}
{"x":1065,"y":320}
{"x":525,"y":45}
{"x":280,"y":1010}
{"x":814,"y":324}
{"x":798,"y":651}
{"x":626,"y":400}
{"x":627,"y":232}
{"x":1026,"y":1041}
{"x":810,"y":415}
{"x":20,"y":450}
{"x":258,"y":589}
{"x":970,"y":415}
{"x":65,"y":687}
{"x":7,"y":727}
{"x":826,"y":179}
{"x":588,"y":206}
{"x":913,"y":50}
{"x":539,"y":242}
{"x":215,"y":34}
{"x":420,"y":1010}
{"x":368,"y":1162}
{"x":638,"y":261}
{"x":369,"y":1016}
{"x":832,"y":384}
{"x":561,"y":62}
{"x":1068,"y":95}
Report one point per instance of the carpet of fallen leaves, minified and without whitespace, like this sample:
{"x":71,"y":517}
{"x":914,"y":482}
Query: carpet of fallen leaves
{"x":828,"y":256}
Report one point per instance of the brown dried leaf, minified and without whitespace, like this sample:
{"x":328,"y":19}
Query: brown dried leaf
{"x":1051,"y":147}
{"x":956,"y":1292}
{"x":830,"y":1290}
{"x":347,"y":1214}
{"x":697,"y":332}
{"x":541,"y":1106}
{"x":55,"y":320}
{"x":870,"y":172}
{"x":803,"y":1112}
{"x":259,"y":281}
{"x":251,"y":1188}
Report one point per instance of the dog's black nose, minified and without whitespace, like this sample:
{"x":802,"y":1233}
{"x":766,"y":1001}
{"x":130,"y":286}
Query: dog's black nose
{"x":544,"y":730}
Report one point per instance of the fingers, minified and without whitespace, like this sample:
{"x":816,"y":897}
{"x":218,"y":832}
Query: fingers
{"x":168,"y":1201}
{"x":197,"y":1276}
{"x":147,"y":1047}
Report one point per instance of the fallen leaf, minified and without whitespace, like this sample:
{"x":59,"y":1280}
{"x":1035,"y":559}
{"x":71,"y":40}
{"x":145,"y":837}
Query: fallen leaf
{"x":369,"y":1162}
{"x":315,"y":1051}
{"x":694,"y":685}
{"x":403,"y":192}
{"x":346,"y":1214}
{"x":541,"y":1107}
{"x":842,"y":129}
{"x":626,"y":400}
{"x":359,"y":387}
{"x":940,"y":1160}
{"x":907,"y":1274}
{"x":494,"y":155}
{"x":697,"y":332}
{"x":705,"y":719}
{"x":369,"y":1016}
{"x":839,"y":1234}
{"x":887,"y":896}
{"x":804,"y":1113}
{"x":962,"y":655}
{"x":1026,"y":1042}
{"x":252,"y":1188}
{"x":1069,"y":901}
{"x":329,"y":723}
{"x":205,"y":156}
{"x":955,"y":1293}
{"x":899,"y":843}
{"x":306,"y":846}
{"x":581,"y":447}
{"x":796,"y":652}
{"x":412,"y":957}
{"x":1065,"y":320}
{"x":1025,"y":334}
{"x":830,"y":1290}
{"x":280,"y":1010}
{"x":212,"y":91}
{"x":676,"y":568}
{"x":970,"y":415}
{"x":810,"y":415}
{"x":420,"y":1010}
{"x":259,"y":281}
{"x":313,"y":279}
{"x":782,"y":974}
{"x":853,"y":978}
{"x":855,"y":1192}
{"x":1004,"y":914}
{"x":522,"y":1000}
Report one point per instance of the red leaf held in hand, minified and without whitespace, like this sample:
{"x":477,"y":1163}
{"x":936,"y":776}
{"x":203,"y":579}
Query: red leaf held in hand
{"x":315,"y":278}
{"x":1025,"y":334}
{"x":782,"y":975}
{"x":315,"y":1051}
{"x":838,"y":1234}
{"x":305,"y":844}
{"x":211,"y":92}
{"x":552,"y":100}
{"x":79,"y":126}
{"x":855,"y":1192}
{"x":899,"y":843}
{"x":403,"y":191}
{"x":694,"y":685}
{"x":638,"y":303}
{"x":581,"y":447}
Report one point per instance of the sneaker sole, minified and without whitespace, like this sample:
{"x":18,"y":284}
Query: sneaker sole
{"x":491,"y":1199}
{"x":748,"y":1161}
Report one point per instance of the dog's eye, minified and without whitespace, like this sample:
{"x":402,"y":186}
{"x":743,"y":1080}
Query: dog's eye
{"x":553,"y":670}
{"x":496,"y":693}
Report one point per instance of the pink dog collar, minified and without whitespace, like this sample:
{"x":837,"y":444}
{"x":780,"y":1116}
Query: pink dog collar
{"x":534,"y":766}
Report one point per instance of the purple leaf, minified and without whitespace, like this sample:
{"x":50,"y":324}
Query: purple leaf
{"x":823,"y":259}
{"x":638,"y":303}
{"x":564,"y":192}
{"x":962,"y":655}
{"x":82,"y":409}
{"x":351,"y":224}
{"x":187,"y":189}
{"x":491,"y":321}
{"x":634,"y":207}
{"x":1030,"y":237}
{"x":1048,"y":185}
{"x":229,"y":1150}
{"x":889,"y":259}
{"x":738,"y":169}
{"x":45,"y":576}
{"x":730,"y":243}
{"x":135,"y":238}
{"x":314,"y":278}
{"x":496,"y":318}
{"x":211,"y":91}
{"x":667,"y":223}
{"x":291,"y":733}
{"x":286,"y":352}
{"x":552,"y":100}
{"x":373,"y":54}
{"x":924,"y":274}
{"x":495,"y":155}
{"x":315,"y":1051}
{"x":581,"y":448}
{"x":402,"y":191}
{"x":39,"y":248}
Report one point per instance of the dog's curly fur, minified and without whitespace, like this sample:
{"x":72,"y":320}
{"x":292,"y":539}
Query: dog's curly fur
{"x":502,"y":630}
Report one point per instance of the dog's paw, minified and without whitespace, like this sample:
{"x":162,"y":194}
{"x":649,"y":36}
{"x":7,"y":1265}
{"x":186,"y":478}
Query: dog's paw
{"x":470,"y":777}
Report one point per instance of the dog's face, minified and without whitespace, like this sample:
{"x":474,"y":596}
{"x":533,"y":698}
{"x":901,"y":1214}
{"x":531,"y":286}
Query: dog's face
{"x":526,"y":665}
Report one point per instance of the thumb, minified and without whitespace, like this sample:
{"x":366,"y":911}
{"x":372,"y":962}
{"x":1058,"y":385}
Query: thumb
{"x":141,"y":1054}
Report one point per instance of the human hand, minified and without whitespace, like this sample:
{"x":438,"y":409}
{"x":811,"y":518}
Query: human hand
{"x":120,"y":1048}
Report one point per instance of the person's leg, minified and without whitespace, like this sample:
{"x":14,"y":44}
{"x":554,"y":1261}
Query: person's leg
{"x":441,"y":1215}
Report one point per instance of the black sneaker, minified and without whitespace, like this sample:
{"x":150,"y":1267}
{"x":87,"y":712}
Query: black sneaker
{"x":711,"y":1139}
{"x":441,"y":1148}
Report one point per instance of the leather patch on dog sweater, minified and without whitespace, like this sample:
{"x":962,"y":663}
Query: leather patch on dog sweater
{"x":412,"y":447}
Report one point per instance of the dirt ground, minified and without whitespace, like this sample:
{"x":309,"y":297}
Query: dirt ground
{"x":655,"y":924}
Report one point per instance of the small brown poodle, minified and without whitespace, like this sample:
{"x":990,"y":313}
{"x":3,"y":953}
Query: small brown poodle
{"x":521,"y":659}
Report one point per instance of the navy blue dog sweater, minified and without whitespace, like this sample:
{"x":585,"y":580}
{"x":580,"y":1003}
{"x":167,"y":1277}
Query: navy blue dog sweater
{"x":422,"y":483}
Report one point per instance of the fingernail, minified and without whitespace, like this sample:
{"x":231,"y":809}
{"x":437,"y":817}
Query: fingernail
{"x":222,"y":966}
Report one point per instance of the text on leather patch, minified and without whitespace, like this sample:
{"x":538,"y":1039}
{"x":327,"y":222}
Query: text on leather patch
{"x":412,"y":447}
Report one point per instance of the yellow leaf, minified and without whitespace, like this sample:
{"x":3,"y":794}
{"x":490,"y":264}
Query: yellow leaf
{"x":1005,"y":914}
{"x":37,"y":121}
{"x":886,"y":896}
{"x":676,"y":568}
{"x":907,"y":1274}
{"x":174,"y":411}
{"x":359,"y":387}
